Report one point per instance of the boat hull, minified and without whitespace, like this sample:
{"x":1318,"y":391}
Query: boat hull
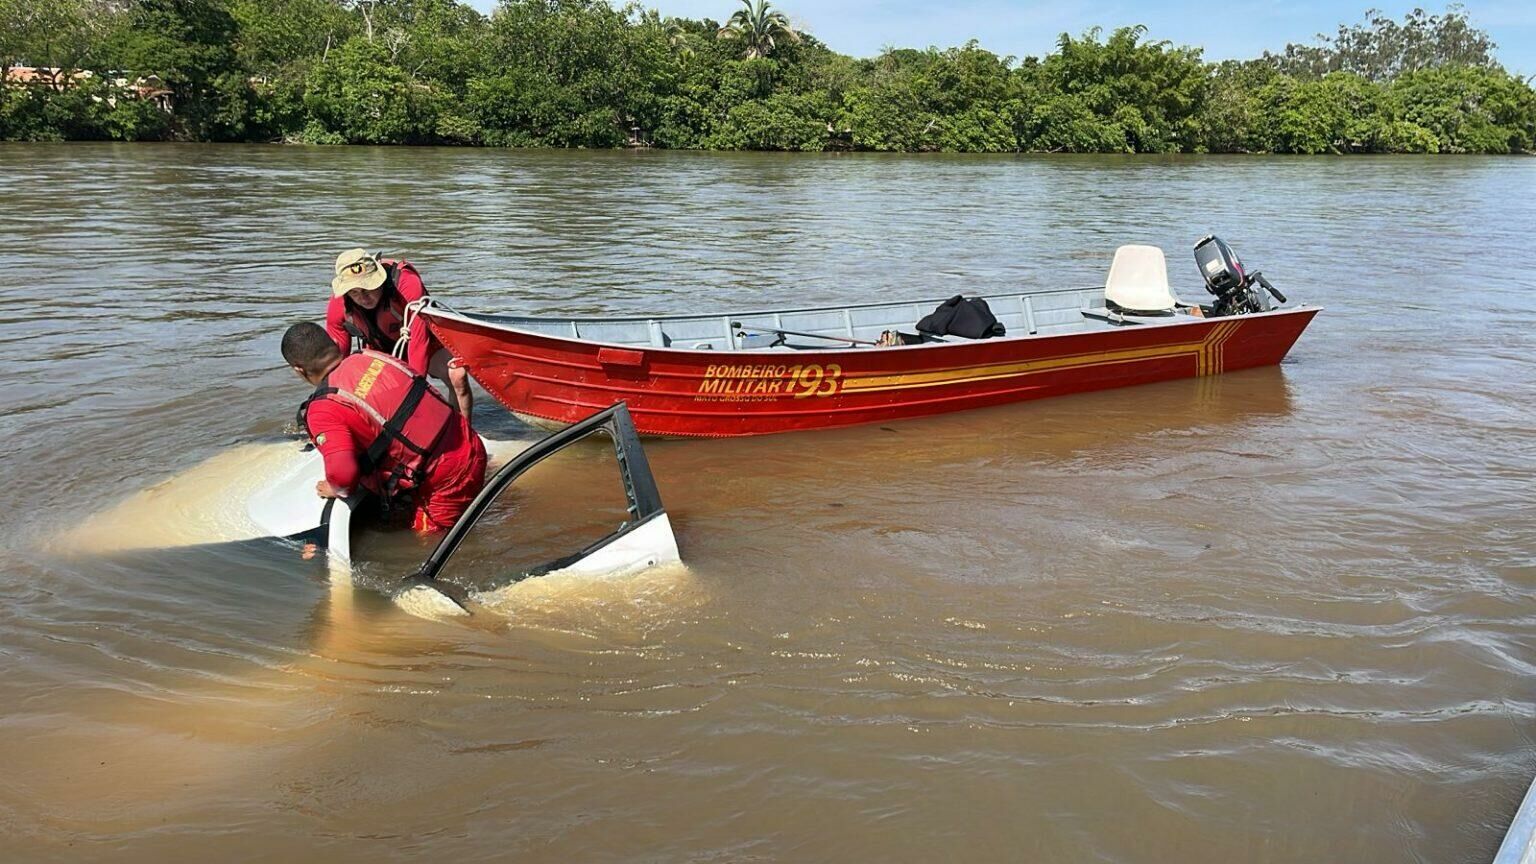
{"x":732,"y":393}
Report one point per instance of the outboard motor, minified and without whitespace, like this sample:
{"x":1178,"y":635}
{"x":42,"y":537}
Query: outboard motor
{"x":1236,"y":290}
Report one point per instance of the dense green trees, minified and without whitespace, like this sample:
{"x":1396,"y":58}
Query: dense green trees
{"x":584,"y":73}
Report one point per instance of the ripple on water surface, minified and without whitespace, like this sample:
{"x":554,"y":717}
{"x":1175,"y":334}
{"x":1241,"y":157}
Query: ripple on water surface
{"x":1282,"y":614}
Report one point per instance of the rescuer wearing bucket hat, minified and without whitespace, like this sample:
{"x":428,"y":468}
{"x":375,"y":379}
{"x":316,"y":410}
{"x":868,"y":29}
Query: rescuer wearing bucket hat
{"x":367,"y":310}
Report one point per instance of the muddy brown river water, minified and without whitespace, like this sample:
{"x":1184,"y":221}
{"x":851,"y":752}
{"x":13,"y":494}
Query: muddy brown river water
{"x":1279,"y":615}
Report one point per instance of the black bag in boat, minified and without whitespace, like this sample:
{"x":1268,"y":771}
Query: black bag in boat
{"x":957,"y":316}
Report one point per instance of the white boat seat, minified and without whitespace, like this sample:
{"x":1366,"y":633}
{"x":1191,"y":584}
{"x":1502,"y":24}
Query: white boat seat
{"x":1138,"y":281}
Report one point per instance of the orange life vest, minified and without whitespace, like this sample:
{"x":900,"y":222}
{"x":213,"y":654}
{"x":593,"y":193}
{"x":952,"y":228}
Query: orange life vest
{"x":379,"y":328}
{"x":406,"y":415}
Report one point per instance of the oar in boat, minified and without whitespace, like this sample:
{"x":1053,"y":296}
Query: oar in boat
{"x":927,"y":337}
{"x":736,"y":325}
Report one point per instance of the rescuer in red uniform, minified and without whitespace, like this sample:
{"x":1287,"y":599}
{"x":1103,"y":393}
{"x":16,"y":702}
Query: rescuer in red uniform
{"x":368,"y":300}
{"x":383,"y":428}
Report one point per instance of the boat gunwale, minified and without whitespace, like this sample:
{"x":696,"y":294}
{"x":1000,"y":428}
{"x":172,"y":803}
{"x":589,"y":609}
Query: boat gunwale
{"x":715,"y":316}
{"x":436,"y":309}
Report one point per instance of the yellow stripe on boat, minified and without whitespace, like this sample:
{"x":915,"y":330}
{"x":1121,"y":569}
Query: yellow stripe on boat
{"x":1208,"y":362}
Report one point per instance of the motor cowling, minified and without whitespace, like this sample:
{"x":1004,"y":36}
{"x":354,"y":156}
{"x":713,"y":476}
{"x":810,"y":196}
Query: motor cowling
{"x":1219,"y":265}
{"x":1237,"y":291}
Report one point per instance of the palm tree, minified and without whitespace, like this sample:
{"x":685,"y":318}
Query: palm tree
{"x":758,"y":28}
{"x":678,"y":37}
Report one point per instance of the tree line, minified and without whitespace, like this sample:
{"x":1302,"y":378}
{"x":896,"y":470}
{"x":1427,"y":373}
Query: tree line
{"x":584,"y":73}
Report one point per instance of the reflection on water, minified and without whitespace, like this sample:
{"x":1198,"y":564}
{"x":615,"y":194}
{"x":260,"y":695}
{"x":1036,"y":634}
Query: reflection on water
{"x":1277,"y":615}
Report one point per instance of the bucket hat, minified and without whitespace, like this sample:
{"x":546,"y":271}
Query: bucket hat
{"x":355,"y":268}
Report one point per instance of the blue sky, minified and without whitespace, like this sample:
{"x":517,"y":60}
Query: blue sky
{"x":1239,"y":29}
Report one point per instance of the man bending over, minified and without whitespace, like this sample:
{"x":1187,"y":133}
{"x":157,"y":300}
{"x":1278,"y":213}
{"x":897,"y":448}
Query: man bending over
{"x":383,"y":428}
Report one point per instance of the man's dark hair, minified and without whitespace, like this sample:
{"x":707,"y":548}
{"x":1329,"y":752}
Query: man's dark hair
{"x":309,"y":347}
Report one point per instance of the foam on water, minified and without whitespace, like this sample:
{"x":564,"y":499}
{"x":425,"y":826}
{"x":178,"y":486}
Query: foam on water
{"x":614,"y":595}
{"x":424,"y":601}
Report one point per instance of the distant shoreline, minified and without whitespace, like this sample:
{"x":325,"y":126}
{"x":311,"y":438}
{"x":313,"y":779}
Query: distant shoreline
{"x":587,"y":75}
{"x":303,"y":145}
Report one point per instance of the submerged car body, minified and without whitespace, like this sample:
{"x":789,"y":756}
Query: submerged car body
{"x":288,"y":508}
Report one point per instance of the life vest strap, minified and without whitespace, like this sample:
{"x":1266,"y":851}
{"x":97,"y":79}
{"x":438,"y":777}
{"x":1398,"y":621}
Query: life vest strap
{"x":358,"y":336}
{"x":303,"y":416}
{"x":394,"y":427}
{"x":391,"y":428}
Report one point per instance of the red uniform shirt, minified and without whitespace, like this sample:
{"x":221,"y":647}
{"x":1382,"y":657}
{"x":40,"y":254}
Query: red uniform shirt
{"x":455,"y":471}
{"x":422,"y":344}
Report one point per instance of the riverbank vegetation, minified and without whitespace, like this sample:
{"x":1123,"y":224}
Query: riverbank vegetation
{"x":583,"y":73}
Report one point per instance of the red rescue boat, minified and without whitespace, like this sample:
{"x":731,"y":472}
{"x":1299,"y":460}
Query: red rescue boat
{"x":756,"y":373}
